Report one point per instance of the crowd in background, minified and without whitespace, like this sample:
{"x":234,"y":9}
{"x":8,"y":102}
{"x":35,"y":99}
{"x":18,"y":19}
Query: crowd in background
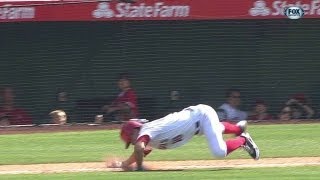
{"x":296,"y":107}
{"x":125,"y":107}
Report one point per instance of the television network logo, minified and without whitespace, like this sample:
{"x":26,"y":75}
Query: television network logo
{"x":294,"y":12}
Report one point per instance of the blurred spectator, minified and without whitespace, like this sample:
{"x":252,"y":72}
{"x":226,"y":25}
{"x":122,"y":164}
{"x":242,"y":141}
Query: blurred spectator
{"x":229,"y":110}
{"x":9,"y":114}
{"x":58,"y":117}
{"x":260,"y":111}
{"x":285,"y":114}
{"x":300,"y":107}
{"x":125,"y":106}
{"x":63,"y":103}
{"x":175,"y":103}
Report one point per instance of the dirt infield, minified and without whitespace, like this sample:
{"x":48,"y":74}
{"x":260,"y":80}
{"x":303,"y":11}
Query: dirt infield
{"x":161,"y":165}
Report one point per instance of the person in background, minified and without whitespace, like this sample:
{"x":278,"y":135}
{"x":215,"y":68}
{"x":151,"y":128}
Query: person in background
{"x":175,"y":102}
{"x":58,"y":117}
{"x":64,"y":102}
{"x":260,"y":111}
{"x":285,"y":114}
{"x":9,"y":113}
{"x":230,"y":109}
{"x":125,"y":105}
{"x":300,"y":107}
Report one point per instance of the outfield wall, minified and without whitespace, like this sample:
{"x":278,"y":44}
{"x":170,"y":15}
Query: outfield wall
{"x":269,"y":59}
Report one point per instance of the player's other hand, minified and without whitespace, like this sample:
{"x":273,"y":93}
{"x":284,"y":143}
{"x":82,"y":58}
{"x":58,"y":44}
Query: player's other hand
{"x":115,"y":164}
{"x":119,"y":164}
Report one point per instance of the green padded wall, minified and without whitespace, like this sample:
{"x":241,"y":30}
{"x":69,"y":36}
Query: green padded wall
{"x":269,"y":59}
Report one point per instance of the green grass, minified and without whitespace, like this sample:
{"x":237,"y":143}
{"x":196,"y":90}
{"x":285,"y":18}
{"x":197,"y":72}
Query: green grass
{"x":289,"y":173}
{"x":273,"y":140}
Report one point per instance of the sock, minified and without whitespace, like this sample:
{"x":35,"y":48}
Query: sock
{"x":231,"y":128}
{"x":234,"y":144}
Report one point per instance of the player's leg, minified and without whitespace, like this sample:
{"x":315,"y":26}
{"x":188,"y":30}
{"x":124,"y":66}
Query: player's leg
{"x":220,"y":148}
{"x":213,"y":131}
{"x":236,"y":129}
{"x":245,"y":141}
{"x":250,"y":146}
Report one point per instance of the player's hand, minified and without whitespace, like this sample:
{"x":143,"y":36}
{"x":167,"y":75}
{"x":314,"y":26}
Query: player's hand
{"x":115,"y":164}
{"x":120,"y":164}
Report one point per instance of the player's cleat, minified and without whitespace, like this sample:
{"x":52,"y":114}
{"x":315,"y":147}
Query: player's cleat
{"x":250,"y":146}
{"x":242,"y":125}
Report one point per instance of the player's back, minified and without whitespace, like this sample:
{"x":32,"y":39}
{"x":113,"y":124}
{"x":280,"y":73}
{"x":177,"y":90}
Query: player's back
{"x":173,"y":130}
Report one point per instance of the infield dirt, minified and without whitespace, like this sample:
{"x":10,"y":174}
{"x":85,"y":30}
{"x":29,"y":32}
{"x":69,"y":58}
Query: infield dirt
{"x":161,"y":165}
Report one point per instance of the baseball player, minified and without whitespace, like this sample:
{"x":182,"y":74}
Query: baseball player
{"x":178,"y":128}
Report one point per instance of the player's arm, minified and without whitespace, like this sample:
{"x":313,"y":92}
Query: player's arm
{"x":136,"y":157}
{"x":139,"y":154}
{"x":125,"y":164}
{"x":140,"y":151}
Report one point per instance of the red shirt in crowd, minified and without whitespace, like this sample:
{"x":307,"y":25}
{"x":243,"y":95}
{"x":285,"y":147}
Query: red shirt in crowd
{"x":15,"y":116}
{"x":128,"y":97}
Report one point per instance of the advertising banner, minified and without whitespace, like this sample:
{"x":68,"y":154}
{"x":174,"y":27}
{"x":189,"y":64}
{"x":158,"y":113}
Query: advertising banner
{"x":63,"y":10}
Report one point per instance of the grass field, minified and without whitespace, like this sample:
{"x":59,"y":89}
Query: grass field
{"x":292,"y":140}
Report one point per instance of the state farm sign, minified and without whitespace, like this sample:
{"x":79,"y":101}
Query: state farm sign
{"x":261,"y":8}
{"x":127,"y":10}
{"x":79,"y":10}
{"x":7,"y":12}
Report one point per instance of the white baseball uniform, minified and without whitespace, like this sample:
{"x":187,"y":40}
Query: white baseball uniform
{"x":178,"y":128}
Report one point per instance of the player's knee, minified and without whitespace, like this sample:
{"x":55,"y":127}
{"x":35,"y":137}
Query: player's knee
{"x":219,"y":153}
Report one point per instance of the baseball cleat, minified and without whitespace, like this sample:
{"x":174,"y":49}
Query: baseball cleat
{"x":242,"y":125}
{"x":250,"y":146}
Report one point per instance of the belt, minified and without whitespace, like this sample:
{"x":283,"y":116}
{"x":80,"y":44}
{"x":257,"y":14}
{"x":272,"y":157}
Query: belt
{"x":197,"y":124}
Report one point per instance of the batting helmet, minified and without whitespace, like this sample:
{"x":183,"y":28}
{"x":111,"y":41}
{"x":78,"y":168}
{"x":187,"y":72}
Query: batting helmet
{"x":127,"y":131}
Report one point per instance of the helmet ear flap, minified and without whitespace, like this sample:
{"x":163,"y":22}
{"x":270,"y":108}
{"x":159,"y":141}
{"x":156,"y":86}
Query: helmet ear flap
{"x":127,"y":145}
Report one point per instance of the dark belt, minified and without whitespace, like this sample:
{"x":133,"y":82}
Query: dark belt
{"x":197,"y":127}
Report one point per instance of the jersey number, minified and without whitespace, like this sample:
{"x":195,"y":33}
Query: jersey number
{"x":164,"y":143}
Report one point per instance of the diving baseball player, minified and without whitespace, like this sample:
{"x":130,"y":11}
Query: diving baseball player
{"x":178,"y":128}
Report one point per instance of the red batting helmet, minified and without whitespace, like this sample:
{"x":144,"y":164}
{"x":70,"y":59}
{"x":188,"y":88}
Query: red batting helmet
{"x":127,"y":131}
